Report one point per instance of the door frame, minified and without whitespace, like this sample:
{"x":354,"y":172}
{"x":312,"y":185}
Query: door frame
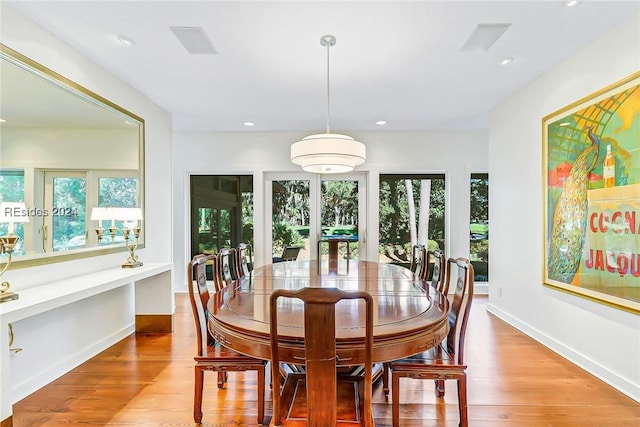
{"x":315,"y":231}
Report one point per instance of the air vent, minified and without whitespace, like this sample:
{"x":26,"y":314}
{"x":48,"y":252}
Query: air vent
{"x":484,"y":36}
{"x":194,"y":39}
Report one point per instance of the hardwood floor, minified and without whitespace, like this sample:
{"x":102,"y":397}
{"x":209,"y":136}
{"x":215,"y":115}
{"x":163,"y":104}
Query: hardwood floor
{"x":147,"y":380}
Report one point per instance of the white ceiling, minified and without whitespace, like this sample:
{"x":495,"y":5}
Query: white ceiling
{"x":398,"y":61}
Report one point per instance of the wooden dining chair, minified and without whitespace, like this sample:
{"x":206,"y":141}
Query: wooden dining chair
{"x":446,"y":360}
{"x":243,"y":259}
{"x":439,"y":277}
{"x":211,"y":355}
{"x":419,"y":264}
{"x":326,"y":395}
{"x":225,"y":266}
{"x":420,"y":267}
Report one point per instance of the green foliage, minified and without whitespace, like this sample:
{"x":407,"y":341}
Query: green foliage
{"x":394,"y":209}
{"x":285,"y":235}
{"x":117,"y":192}
{"x":69,"y":220}
{"x":479,"y":198}
{"x":11,"y":187}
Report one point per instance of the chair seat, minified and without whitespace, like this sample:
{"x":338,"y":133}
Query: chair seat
{"x":222,"y":355}
{"x":437,"y":356}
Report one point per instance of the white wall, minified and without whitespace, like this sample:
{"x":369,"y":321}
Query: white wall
{"x":60,"y":148}
{"x":24,"y":36}
{"x":603,"y":340}
{"x":456,"y":154}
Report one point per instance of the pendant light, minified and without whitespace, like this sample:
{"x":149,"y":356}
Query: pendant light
{"x":328,"y":152}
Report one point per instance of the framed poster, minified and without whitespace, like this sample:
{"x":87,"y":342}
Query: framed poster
{"x":591,"y":161}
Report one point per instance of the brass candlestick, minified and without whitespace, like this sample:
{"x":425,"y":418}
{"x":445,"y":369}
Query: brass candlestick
{"x":7,"y":244}
{"x":132,"y":261}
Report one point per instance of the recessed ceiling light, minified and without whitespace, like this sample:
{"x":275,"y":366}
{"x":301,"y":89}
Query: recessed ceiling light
{"x":571,"y":3}
{"x":249,"y":124}
{"x":506,"y":61}
{"x":126,"y":41}
{"x":381,"y":122}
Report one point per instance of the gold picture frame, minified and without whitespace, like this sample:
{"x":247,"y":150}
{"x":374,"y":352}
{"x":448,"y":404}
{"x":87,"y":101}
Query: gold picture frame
{"x":591,"y":184}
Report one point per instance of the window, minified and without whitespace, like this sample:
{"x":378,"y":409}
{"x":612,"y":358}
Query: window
{"x":412,"y":211}
{"x":66,"y":205}
{"x":69,"y":197}
{"x":221,"y":212}
{"x":479,"y":226}
{"x":12,"y":190}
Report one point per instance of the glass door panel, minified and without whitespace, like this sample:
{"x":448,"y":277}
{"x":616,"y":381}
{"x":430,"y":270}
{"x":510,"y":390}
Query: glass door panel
{"x":290,"y":222}
{"x":339,"y":213}
{"x":307,"y":208}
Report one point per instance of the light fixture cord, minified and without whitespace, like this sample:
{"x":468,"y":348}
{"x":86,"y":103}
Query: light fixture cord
{"x":328,"y":92}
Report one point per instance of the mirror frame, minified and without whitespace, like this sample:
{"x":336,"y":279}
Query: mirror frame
{"x":29,"y":65}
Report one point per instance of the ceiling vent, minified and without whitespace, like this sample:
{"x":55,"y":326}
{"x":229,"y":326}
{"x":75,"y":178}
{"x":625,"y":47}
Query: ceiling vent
{"x":484,"y":36}
{"x":194,"y":39}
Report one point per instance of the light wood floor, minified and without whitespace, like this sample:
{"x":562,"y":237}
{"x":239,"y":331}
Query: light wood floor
{"x":147,"y":380}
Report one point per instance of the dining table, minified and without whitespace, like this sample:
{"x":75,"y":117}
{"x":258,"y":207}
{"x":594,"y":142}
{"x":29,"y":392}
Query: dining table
{"x":410,"y":316}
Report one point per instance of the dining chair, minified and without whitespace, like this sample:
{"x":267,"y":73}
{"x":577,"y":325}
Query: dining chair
{"x":327,"y":395}
{"x":439,"y":277}
{"x":446,"y":360}
{"x":439,"y":282}
{"x":243,"y":259}
{"x":225,"y":266}
{"x":216,"y":272}
{"x":420,"y":267}
{"x":212,"y":356}
{"x":419,"y":264}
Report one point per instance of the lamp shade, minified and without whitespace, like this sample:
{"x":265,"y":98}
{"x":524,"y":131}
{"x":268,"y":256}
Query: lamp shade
{"x":128,"y":214}
{"x":328,"y":153}
{"x":99,"y":214}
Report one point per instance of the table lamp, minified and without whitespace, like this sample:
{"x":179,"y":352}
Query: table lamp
{"x":103,"y":214}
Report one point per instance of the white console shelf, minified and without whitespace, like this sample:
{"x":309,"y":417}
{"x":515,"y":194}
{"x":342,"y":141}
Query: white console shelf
{"x":56,"y":294}
{"x":46,"y":310}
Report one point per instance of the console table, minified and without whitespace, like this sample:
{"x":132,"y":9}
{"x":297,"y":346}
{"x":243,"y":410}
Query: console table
{"x":153,"y":295}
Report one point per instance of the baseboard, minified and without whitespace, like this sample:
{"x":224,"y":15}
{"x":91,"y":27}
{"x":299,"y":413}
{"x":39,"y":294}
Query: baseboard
{"x":614,"y":380}
{"x":56,"y":370}
{"x":481,"y":288}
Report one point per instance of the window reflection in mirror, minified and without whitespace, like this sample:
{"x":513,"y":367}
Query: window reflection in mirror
{"x":63,"y":151}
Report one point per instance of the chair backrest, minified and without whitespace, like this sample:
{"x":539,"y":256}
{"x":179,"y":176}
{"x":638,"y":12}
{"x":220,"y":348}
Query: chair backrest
{"x":320,"y":349}
{"x":199,"y":297}
{"x":290,"y":253}
{"x":460,"y":306}
{"x":243,"y":259}
{"x":419,"y":261}
{"x":216,"y":273}
{"x":225,"y":265}
{"x":439,"y":278}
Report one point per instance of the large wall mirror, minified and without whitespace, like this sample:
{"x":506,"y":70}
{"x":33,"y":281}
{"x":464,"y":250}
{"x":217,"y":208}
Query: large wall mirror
{"x":64,"y":151}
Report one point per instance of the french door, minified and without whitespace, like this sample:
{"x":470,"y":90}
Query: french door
{"x":306,"y":208}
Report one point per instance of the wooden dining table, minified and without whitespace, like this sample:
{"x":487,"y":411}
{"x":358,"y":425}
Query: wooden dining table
{"x":410,"y":316}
